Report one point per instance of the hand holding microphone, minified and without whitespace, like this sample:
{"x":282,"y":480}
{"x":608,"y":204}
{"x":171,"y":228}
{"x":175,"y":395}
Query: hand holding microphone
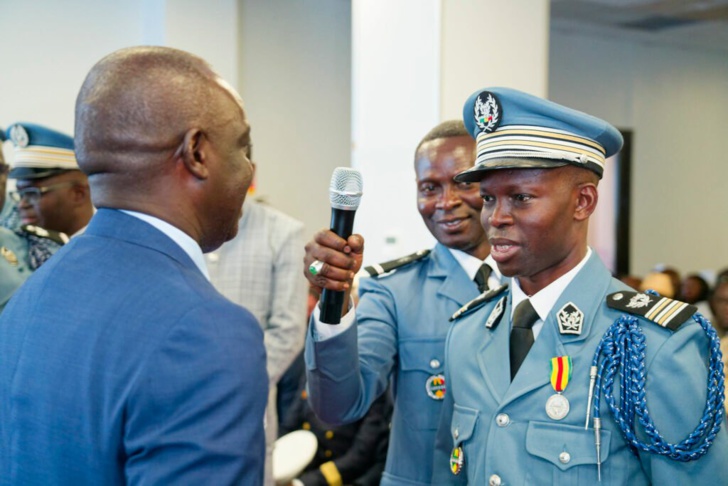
{"x":335,"y":255}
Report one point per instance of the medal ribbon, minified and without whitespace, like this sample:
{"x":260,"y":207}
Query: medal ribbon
{"x":560,"y":372}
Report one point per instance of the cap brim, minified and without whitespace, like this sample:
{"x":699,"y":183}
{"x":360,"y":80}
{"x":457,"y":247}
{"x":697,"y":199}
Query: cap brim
{"x":475,"y":174}
{"x":32,"y":173}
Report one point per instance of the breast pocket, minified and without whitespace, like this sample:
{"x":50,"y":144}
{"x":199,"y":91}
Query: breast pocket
{"x":421,"y":382}
{"x":564,"y":454}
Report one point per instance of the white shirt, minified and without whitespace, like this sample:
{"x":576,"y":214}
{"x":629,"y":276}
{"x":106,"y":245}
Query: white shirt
{"x":543,"y":301}
{"x":182,"y":239}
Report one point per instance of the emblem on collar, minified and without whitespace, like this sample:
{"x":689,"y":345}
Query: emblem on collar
{"x":496,"y":313}
{"x":571,"y":319}
{"x":487,"y":112}
{"x":666,"y":312}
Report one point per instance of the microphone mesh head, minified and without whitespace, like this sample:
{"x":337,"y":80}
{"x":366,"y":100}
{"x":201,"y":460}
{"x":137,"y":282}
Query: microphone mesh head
{"x":345,"y":189}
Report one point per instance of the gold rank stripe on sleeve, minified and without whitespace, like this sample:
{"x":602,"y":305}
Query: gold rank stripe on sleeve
{"x":665,"y":310}
{"x":331,"y":474}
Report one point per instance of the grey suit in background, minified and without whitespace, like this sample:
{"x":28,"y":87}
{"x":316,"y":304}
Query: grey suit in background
{"x":262,"y":270}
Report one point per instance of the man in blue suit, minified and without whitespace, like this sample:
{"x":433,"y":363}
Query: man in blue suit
{"x":399,"y":326}
{"x":569,"y":376}
{"x":119,"y":361}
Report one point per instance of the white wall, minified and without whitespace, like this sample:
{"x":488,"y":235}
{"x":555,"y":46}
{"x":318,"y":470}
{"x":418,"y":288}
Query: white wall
{"x":415,"y":64}
{"x":295,"y":78}
{"x":676,"y":102}
{"x":290,"y":59}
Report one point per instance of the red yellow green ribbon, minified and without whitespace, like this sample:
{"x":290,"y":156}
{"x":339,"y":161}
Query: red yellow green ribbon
{"x":560,"y":372}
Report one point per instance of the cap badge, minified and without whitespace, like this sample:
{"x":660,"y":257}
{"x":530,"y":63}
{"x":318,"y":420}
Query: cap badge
{"x":487,"y":112}
{"x":19,"y":136}
{"x":570,"y":318}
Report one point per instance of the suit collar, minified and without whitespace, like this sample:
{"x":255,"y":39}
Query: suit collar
{"x":456,"y":285}
{"x":112,"y":223}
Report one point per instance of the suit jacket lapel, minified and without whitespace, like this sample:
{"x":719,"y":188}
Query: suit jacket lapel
{"x":585,"y":292}
{"x":493,"y":362}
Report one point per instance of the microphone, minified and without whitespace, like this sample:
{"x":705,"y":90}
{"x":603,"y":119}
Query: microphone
{"x":344,"y":194}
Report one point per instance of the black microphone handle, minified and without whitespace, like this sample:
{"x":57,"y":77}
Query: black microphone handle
{"x":332,"y":301}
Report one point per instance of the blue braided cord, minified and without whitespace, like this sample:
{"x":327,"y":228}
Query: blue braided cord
{"x":622,"y":351}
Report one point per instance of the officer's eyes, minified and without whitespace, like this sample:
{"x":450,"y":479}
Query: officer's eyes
{"x":523,"y":197}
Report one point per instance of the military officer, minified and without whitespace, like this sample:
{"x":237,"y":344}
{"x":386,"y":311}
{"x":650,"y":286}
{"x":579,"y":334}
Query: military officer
{"x":52,"y":192}
{"x":14,"y":267}
{"x":399,"y":326}
{"x":533,"y":371}
{"x":38,"y":243}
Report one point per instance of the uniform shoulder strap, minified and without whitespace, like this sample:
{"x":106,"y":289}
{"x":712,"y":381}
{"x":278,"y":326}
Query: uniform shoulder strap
{"x":479,"y":301}
{"x":56,"y":236}
{"x":386,"y":267}
{"x":668,"y":313}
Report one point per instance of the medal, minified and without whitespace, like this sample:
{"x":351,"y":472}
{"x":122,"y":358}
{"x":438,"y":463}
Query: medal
{"x":557,"y":406}
{"x":457,"y":459}
{"x":435,"y":387}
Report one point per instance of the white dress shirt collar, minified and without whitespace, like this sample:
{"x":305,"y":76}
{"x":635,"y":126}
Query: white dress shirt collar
{"x":543,"y":301}
{"x":472,"y":264}
{"x":182,"y":239}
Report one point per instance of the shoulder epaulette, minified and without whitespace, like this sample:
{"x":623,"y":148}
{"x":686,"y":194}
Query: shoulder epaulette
{"x":57,"y":236}
{"x":666,"y":312}
{"x":478,"y":301}
{"x":386,"y":267}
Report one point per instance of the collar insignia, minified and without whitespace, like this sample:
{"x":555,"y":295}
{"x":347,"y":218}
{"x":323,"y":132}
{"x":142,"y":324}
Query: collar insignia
{"x":571,"y":319}
{"x":487,"y":112}
{"x":496,"y":313}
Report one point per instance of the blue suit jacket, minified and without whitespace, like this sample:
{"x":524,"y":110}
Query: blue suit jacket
{"x":402,"y":322}
{"x":503,"y":428}
{"x":121,"y":364}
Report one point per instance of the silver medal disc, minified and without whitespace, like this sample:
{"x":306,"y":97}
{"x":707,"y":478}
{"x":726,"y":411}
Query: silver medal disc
{"x":557,"y":406}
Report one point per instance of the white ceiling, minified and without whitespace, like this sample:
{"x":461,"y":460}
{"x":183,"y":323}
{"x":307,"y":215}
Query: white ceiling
{"x":699,"y":24}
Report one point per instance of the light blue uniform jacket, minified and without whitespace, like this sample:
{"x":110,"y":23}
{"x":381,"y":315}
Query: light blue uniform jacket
{"x":402,"y":322}
{"x":504,"y":430}
{"x":14,"y":268}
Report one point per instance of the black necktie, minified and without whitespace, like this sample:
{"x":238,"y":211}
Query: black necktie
{"x":481,"y":278}
{"x":521,"y":334}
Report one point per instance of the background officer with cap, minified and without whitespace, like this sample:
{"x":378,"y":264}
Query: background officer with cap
{"x":14,"y":264}
{"x":527,"y":368}
{"x":52,"y":193}
{"x":399,"y":326}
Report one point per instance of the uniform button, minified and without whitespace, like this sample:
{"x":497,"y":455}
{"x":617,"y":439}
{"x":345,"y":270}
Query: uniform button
{"x":213,"y":257}
{"x":564,"y":458}
{"x":502,"y":419}
{"x":329,"y":434}
{"x":456,"y":433}
{"x":306,"y":426}
{"x":494,"y":480}
{"x":328,"y":453}
{"x":434,"y":363}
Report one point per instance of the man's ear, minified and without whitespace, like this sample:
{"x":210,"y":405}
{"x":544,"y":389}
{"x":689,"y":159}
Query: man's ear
{"x":194,"y":153}
{"x":586,"y":202}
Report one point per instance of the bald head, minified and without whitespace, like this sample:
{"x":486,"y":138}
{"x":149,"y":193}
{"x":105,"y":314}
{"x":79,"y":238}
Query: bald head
{"x":158,"y":131}
{"x":136,"y":105}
